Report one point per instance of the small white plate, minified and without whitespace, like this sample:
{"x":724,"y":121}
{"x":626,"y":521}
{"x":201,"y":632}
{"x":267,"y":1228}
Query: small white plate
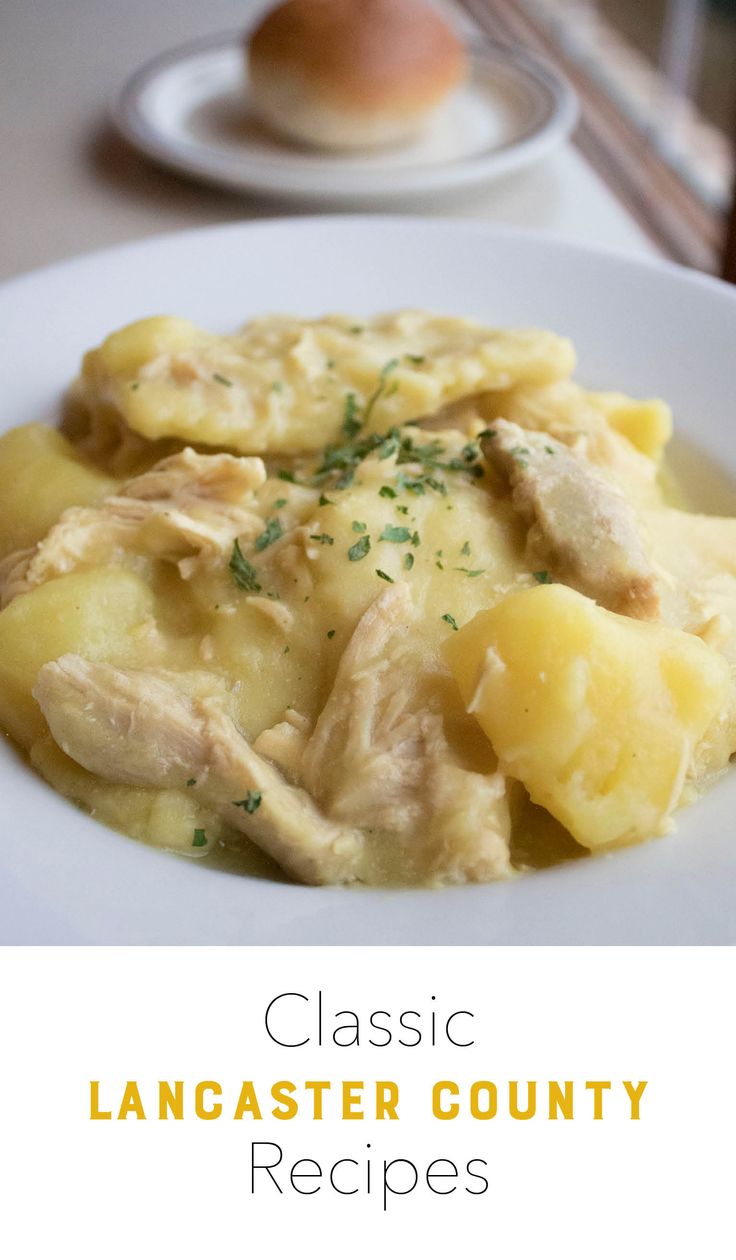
{"x":645,"y":327}
{"x":189,"y":109}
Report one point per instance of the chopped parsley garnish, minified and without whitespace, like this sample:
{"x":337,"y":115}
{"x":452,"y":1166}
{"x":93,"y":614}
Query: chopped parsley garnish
{"x":330,"y":634}
{"x":277,"y":387}
{"x":286,"y":649}
{"x":380,"y":573}
{"x":351,"y":423}
{"x":543,"y":577}
{"x":470,"y":572}
{"x":279,"y":504}
{"x":324,"y":501}
{"x":330,"y":364}
{"x":402,"y":507}
{"x":470,"y":452}
{"x":448,"y":617}
{"x":415,"y":358}
{"x":383,"y":376}
{"x":408,"y":561}
{"x":251,"y":802}
{"x":359,"y":527}
{"x":191,"y":782}
{"x":360,"y":548}
{"x":487,"y":433}
{"x":222,"y":380}
{"x":465,"y":549}
{"x":440,"y":565}
{"x":242,"y":570}
{"x":549,"y":450}
{"x":200,"y":838}
{"x":135,"y":385}
{"x":395,"y":534}
{"x":416,"y":540}
{"x":517,"y":453}
{"x":271,"y":534}
{"x":284,"y":475}
{"x":356,"y":329}
{"x":387,"y":492}
{"x":326,"y":539}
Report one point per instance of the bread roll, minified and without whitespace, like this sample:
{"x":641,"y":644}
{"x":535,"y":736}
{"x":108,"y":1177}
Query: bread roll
{"x":352,"y":74}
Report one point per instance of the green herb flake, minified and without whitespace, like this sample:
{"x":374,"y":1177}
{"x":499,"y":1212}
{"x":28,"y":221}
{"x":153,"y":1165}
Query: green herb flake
{"x":271,"y":534}
{"x":283,"y":474}
{"x":416,"y":358}
{"x":351,"y":422}
{"x":387,"y":492}
{"x":543,"y":577}
{"x":191,"y":782}
{"x":286,"y":649}
{"x":251,"y":802}
{"x":330,"y":634}
{"x":325,"y":502}
{"x":279,"y":504}
{"x":416,"y":540}
{"x":380,"y":573}
{"x":242,"y":570}
{"x":402,"y":507}
{"x":470,"y":572}
{"x":330,"y":364}
{"x":222,"y":380}
{"x":465,"y":549}
{"x":549,"y":450}
{"x":395,"y":534}
{"x":360,"y":548}
{"x":448,"y":617}
{"x":277,"y":387}
{"x":383,"y":376}
{"x":356,"y":329}
{"x":135,"y":385}
{"x":326,"y":539}
{"x":200,"y":838}
{"x":408,"y":561}
{"x":359,"y":527}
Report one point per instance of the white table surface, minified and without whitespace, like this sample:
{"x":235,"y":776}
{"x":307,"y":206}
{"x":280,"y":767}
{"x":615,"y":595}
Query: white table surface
{"x":69,"y":185}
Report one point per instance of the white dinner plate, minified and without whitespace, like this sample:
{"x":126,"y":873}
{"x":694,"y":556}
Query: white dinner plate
{"x":644,"y":327}
{"x":189,"y":109}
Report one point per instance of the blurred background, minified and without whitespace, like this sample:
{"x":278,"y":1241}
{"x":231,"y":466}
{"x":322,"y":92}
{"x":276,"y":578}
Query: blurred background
{"x":656,"y":80}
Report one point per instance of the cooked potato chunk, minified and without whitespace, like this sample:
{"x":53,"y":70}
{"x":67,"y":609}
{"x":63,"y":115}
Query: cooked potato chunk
{"x":95,"y":613}
{"x":598,"y":715}
{"x":646,"y":423}
{"x":36,"y":456}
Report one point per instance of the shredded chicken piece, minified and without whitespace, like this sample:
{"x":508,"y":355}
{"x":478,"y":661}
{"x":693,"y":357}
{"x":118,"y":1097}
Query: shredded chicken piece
{"x":581,"y":526}
{"x":189,"y":508}
{"x":139,"y":727}
{"x":285,"y":743}
{"x":376,"y":755}
{"x":273,"y":610}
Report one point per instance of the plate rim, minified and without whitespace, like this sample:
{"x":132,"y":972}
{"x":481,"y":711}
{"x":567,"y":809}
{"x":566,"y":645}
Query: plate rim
{"x":268,"y":178}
